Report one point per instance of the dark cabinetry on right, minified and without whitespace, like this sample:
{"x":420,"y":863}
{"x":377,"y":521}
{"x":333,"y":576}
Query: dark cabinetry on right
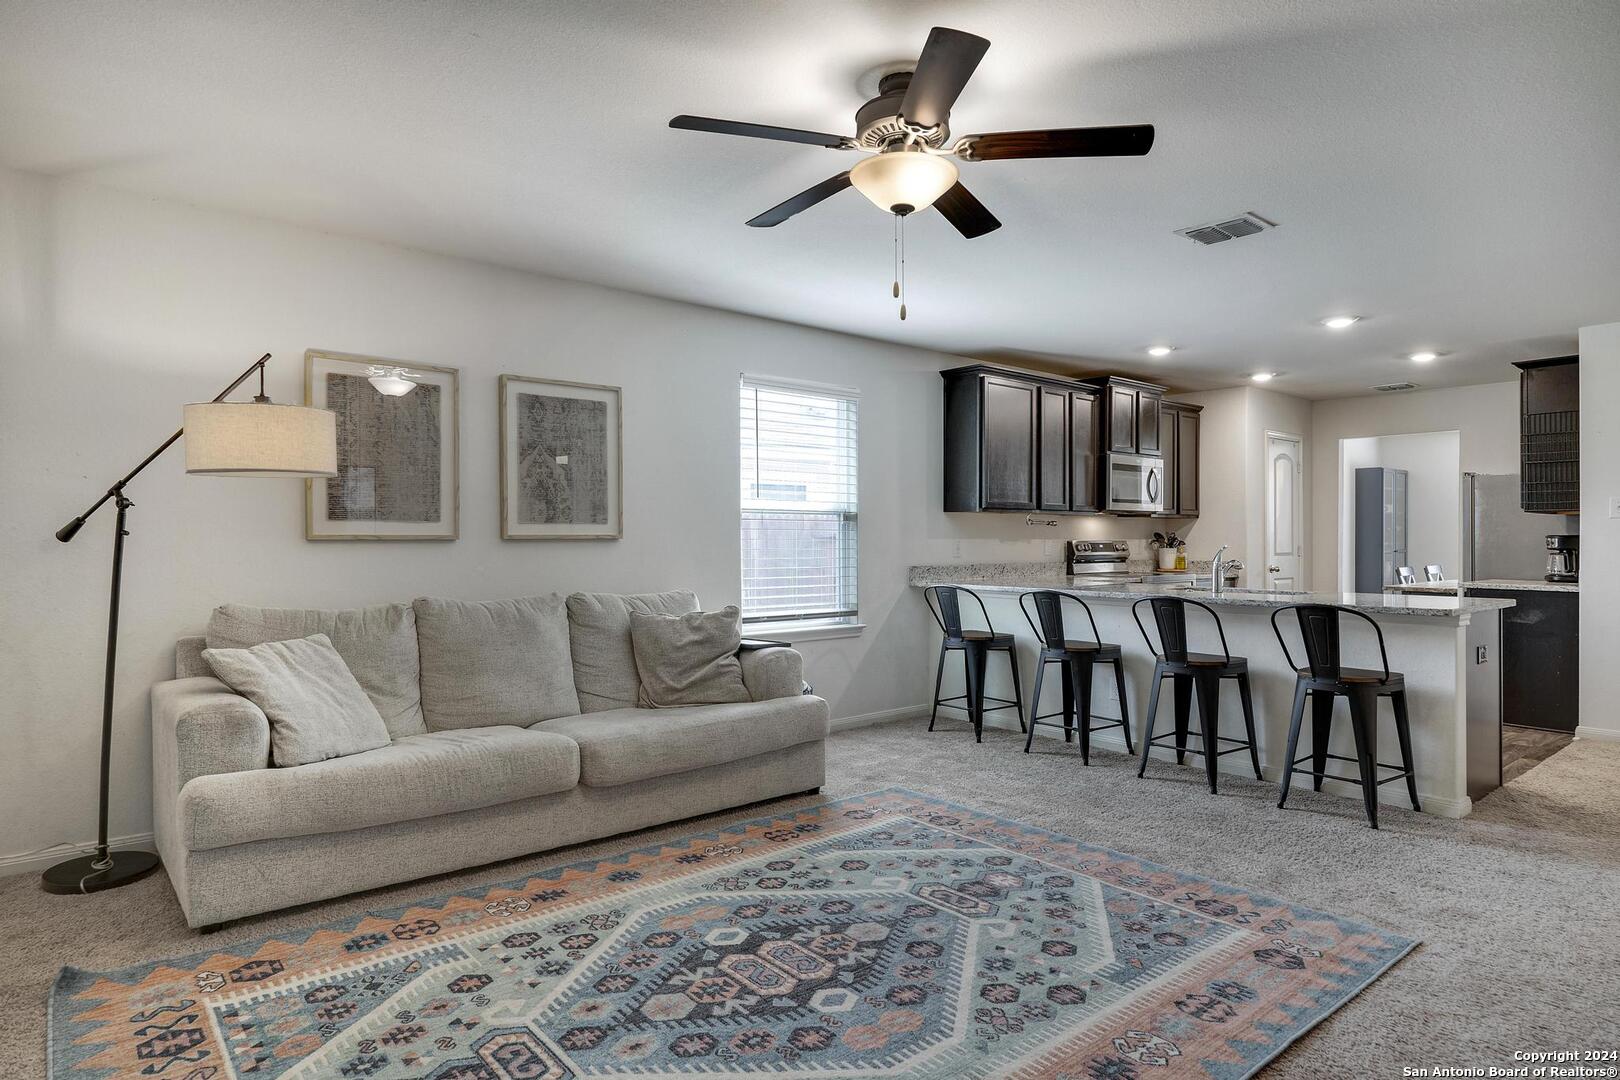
{"x":1540,"y":657}
{"x":1550,"y":435}
{"x":1134,"y":421}
{"x":1178,"y":435}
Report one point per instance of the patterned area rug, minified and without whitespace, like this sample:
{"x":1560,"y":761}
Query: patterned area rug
{"x":888,"y":935}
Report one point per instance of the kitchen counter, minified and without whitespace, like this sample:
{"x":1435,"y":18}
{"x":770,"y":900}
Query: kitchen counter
{"x":1501,"y":584}
{"x":1447,"y":646}
{"x":1016,"y":578}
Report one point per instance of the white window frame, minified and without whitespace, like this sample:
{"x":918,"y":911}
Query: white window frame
{"x":807,"y":627}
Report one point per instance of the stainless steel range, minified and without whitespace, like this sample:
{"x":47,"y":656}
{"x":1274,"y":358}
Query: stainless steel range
{"x":1099,"y":562}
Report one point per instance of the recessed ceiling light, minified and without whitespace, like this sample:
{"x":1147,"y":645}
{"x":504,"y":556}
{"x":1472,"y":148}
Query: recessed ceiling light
{"x":1340,"y":322}
{"x":1160,"y":350}
{"x":1263,"y":376}
{"x":1422,"y":357}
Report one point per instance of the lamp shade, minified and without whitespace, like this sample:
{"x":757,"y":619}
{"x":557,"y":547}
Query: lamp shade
{"x":249,"y":438}
{"x":903,"y":181}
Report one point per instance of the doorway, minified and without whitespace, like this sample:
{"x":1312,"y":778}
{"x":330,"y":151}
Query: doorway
{"x":1285,"y":512}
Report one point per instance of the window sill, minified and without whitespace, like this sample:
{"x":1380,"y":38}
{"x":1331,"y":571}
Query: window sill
{"x":795,"y":632}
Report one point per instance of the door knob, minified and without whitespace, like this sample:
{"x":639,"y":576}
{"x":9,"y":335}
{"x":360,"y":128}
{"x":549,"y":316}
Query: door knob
{"x":1273,"y":569}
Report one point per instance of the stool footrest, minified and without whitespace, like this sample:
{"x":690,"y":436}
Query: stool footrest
{"x":1400,"y":772}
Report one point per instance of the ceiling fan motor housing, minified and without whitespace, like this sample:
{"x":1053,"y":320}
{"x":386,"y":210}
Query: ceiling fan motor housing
{"x":878,"y":123}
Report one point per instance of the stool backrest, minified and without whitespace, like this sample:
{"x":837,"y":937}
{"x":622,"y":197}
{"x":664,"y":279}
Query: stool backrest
{"x":1405,"y":575}
{"x":1319,"y":628}
{"x":1432,"y":572}
{"x":945,"y":606}
{"x":1047,"y":620}
{"x":1170,"y":616}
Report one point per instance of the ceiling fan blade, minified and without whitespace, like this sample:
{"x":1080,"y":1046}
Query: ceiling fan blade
{"x":960,"y":208}
{"x":804,"y":200}
{"x":761,"y":131}
{"x":1129,"y":140}
{"x":947,"y":62}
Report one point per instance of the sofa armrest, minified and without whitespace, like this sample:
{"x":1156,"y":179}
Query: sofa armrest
{"x":200,"y":727}
{"x":772,"y":673}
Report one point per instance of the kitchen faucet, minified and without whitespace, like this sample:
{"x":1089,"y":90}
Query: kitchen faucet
{"x":1215,"y":570}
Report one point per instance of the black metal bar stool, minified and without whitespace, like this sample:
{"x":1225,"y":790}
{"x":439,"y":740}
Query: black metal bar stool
{"x":1193,"y":672}
{"x":1079,"y":659}
{"x":1322,"y":679}
{"x":975,"y":647}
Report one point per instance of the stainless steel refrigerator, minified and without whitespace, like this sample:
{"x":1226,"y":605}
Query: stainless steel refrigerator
{"x":1380,"y":527}
{"x":1501,"y":541}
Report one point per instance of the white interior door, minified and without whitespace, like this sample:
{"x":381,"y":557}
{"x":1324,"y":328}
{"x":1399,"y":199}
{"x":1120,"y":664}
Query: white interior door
{"x":1285,"y":513}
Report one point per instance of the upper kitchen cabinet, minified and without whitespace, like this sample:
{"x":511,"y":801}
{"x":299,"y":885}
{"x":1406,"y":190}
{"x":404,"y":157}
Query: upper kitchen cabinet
{"x":1550,"y":435}
{"x":1016,"y":442}
{"x":1133,"y":415}
{"x":1178,"y":429}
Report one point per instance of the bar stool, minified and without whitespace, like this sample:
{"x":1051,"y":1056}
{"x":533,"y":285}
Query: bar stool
{"x":1323,"y":679}
{"x":975,"y":647}
{"x":1078,"y":658}
{"x":1193,"y":672}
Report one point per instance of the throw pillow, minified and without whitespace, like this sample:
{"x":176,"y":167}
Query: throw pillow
{"x":688,"y":659}
{"x":599,"y":633}
{"x":316,"y":707}
{"x":494,"y":662}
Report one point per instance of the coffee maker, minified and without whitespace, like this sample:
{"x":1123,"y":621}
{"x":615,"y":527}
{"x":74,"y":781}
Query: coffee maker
{"x":1563,"y":557}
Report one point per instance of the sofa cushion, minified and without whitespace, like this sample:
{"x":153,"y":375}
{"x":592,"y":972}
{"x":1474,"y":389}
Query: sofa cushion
{"x":419,"y":776}
{"x":599,"y":630}
{"x":378,"y":643}
{"x":489,"y":662}
{"x":315,"y":707}
{"x":688,"y":659}
{"x":622,"y":746}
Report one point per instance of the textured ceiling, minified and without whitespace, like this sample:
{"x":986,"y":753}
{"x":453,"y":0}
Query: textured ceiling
{"x":1450,"y":170}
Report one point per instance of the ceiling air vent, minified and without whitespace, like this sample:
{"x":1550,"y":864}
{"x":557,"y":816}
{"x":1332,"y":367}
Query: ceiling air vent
{"x":1390,"y":388}
{"x":1243,"y":225}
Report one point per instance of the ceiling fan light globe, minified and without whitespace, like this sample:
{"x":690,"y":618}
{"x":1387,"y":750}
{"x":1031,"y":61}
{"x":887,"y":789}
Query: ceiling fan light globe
{"x":903,"y":181}
{"x":392,"y":385}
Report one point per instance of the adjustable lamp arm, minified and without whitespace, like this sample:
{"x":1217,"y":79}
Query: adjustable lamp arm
{"x":71,"y":529}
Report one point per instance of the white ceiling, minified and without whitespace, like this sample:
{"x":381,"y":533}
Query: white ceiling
{"x":1449,"y":169}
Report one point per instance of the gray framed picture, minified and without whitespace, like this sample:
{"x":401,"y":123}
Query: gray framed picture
{"x":562,"y":460}
{"x":398,"y":449}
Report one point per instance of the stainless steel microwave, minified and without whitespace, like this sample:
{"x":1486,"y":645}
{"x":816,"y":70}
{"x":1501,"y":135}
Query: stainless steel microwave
{"x":1135,"y":483}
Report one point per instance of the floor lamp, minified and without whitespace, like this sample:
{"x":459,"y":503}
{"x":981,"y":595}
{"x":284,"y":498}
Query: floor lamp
{"x":223,"y":438}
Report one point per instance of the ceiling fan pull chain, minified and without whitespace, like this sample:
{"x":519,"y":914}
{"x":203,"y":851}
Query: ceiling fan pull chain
{"x":900,"y":280}
{"x":897,"y":256}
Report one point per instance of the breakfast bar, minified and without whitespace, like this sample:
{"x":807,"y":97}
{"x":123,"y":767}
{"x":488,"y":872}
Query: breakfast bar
{"x":1448,"y":648}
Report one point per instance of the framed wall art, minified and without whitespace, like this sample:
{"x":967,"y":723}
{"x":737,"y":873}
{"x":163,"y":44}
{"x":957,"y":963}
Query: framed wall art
{"x":562,"y":460}
{"x":398,"y":449}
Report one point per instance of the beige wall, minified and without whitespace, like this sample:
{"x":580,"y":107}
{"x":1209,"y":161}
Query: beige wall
{"x":1486,"y":419}
{"x":1600,"y":533}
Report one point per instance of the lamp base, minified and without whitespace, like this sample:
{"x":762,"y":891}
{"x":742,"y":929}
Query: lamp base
{"x":82,"y":876}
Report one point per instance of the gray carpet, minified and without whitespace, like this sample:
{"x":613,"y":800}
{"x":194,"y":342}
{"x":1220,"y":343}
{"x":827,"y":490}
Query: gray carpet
{"x":1518,"y":907}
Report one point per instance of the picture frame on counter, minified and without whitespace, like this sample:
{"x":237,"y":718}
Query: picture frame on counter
{"x":398,"y":449}
{"x":562,"y":460}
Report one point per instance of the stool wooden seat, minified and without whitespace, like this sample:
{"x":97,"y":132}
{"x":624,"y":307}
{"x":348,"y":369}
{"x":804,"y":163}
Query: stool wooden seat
{"x":1194,"y":673}
{"x":1043,"y":609}
{"x":1322,"y":680}
{"x":944,"y":604}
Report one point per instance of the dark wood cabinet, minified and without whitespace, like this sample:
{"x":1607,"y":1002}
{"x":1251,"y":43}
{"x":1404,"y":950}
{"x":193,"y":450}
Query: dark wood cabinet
{"x":1052,"y":449}
{"x":1133,"y":414}
{"x":1550,"y":435}
{"x":1179,"y":444}
{"x":1035,"y":442}
{"x":1540,"y":658}
{"x":1085,"y":456}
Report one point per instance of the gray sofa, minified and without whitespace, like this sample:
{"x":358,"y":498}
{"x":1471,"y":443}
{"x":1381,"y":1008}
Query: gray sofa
{"x":454,"y":788}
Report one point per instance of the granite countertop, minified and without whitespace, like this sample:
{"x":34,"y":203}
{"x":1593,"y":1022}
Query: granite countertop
{"x":1018,"y":577}
{"x":1502,"y":584}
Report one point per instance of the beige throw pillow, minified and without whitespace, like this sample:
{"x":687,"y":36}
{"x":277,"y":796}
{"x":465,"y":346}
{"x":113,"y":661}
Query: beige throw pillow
{"x":688,"y":659}
{"x":494,"y":662}
{"x":316,"y":707}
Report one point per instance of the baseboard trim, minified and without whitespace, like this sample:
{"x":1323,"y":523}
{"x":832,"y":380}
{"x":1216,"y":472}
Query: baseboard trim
{"x":905,"y":712}
{"x":1596,"y":734}
{"x":27,"y":863}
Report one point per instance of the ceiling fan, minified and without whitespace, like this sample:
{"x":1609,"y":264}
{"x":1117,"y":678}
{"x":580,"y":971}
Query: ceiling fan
{"x":905,"y":128}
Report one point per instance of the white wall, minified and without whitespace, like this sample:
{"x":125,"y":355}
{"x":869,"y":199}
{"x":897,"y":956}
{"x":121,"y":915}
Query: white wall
{"x":116,"y":308}
{"x":1486,"y":418}
{"x":1433,"y":497}
{"x":1600,"y":533}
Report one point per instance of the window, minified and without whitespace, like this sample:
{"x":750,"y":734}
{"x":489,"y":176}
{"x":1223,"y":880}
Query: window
{"x":798,"y":502}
